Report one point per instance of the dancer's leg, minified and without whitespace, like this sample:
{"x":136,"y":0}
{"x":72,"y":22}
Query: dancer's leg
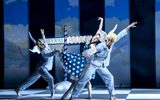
{"x":73,"y":84}
{"x":28,"y":83}
{"x":47,"y":77}
{"x":108,"y":79}
{"x":83,"y":80}
{"x":89,"y":88}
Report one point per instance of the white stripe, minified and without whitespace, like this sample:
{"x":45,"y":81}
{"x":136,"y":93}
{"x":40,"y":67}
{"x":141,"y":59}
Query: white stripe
{"x":144,"y":96}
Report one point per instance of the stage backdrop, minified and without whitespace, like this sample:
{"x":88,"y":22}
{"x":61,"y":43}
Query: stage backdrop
{"x":16,"y":54}
{"x":20,"y":14}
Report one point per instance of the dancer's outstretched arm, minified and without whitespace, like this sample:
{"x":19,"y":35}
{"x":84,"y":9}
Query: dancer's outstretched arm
{"x":125,"y":31}
{"x":55,"y":52}
{"x":132,"y":25}
{"x":34,"y":41}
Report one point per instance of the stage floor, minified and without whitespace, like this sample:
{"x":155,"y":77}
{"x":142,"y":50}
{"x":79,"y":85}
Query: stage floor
{"x":98,"y":94}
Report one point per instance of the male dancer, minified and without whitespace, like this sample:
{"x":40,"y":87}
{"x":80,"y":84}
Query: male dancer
{"x":100,"y":61}
{"x":43,"y":67}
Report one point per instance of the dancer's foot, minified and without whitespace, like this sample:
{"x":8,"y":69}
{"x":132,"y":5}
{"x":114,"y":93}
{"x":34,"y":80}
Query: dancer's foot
{"x":64,"y":96}
{"x":52,"y":95}
{"x":47,"y":87}
{"x":18,"y":92}
{"x":113,"y":97}
{"x":71,"y":98}
{"x":89,"y":98}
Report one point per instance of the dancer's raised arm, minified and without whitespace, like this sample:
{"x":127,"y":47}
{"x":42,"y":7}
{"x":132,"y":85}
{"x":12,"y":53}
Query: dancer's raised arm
{"x":125,"y":31}
{"x":34,"y":41}
{"x":43,"y":36}
{"x":101,"y":23}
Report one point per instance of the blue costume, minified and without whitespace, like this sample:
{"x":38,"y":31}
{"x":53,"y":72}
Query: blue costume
{"x":98,"y":64}
{"x":75,"y":64}
{"x":42,"y":69}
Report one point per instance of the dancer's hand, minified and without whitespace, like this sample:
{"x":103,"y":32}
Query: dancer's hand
{"x":56,"y":50}
{"x":42,"y":31}
{"x":132,"y":25}
{"x":87,"y":56}
{"x":100,"y":18}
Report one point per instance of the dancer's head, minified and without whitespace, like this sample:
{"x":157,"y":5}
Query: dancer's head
{"x":41,"y":44}
{"x":95,"y":38}
{"x":111,"y":37}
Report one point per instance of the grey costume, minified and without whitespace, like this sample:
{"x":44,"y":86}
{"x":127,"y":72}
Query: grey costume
{"x":42,"y":69}
{"x":99,"y":62}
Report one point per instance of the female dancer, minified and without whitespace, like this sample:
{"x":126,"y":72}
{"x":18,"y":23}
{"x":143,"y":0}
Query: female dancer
{"x":75,"y":64}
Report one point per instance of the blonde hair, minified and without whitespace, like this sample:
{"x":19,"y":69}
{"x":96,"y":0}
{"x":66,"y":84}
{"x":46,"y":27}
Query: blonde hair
{"x":112,"y":36}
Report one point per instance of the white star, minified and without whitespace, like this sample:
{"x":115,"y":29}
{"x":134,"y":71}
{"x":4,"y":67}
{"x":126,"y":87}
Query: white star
{"x":70,"y":66}
{"x":78,"y":62}
{"x":77,"y":66}
{"x":73,"y":73}
{"x":73,"y":68}
{"x":74,"y":64}
{"x":77,"y":71}
{"x":66,"y":63}
{"x":82,"y":65}
{"x":74,"y":59}
{"x":70,"y":61}
{"x":71,"y":56}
